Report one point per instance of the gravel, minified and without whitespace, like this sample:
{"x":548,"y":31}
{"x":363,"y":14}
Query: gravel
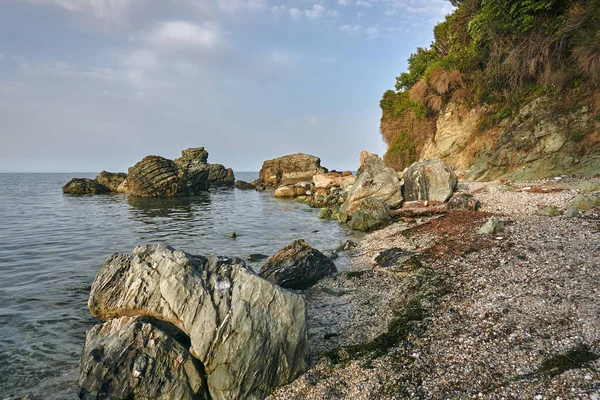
{"x":515,"y":315}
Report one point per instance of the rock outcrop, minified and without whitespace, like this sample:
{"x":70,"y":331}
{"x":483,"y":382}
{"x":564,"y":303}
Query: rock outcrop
{"x":111,"y":180}
{"x":290,"y":169}
{"x":249,"y":335}
{"x":333,"y":179}
{"x":219,"y":176}
{"x":372,"y":214}
{"x":432,"y":180}
{"x":374,"y":180}
{"x":297,"y":266}
{"x":129,"y":358}
{"x":84,"y":186}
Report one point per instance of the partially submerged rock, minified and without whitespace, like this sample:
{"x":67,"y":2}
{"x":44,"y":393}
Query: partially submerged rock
{"x":219,"y":176}
{"x":430,"y":179}
{"x":156,"y":176}
{"x":244,"y":185}
{"x":290,"y":169}
{"x":84,"y":186}
{"x":297,"y":266}
{"x":374,"y":180}
{"x":131,"y":358}
{"x":372,"y":214}
{"x":290,"y":191}
{"x":492,"y":226}
{"x":111,"y":180}
{"x":249,"y":335}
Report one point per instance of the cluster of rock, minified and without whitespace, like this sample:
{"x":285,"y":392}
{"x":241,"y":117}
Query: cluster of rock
{"x":190,"y":327}
{"x":156,"y":176}
{"x":367,"y":201}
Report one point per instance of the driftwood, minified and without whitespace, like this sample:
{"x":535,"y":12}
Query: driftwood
{"x":419,"y":212}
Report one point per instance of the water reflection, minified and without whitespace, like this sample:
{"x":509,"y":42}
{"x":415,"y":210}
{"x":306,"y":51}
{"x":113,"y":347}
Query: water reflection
{"x":181,"y":208}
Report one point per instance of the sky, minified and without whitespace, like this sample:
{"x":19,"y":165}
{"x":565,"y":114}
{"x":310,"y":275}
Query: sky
{"x":90,"y":85}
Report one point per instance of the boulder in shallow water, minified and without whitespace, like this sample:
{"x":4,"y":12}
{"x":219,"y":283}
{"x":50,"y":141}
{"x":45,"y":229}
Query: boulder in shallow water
{"x":372,"y":214}
{"x":430,"y":179}
{"x":84,"y":186}
{"x":219,"y":176}
{"x":297,"y":266}
{"x":155,"y":176}
{"x":129,"y":358}
{"x":290,"y":169}
{"x":374,"y":180}
{"x":112,"y":180}
{"x":243,"y":185}
{"x":249,"y":334}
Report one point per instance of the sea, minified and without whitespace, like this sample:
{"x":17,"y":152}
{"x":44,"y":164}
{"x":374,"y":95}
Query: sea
{"x":52,"y":245}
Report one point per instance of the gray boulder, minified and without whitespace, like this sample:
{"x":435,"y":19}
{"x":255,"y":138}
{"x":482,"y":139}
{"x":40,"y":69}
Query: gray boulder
{"x":130,"y":358}
{"x":374,"y":180}
{"x":372,"y":214}
{"x":249,"y":335}
{"x":84,"y":186}
{"x":430,"y":179}
{"x":297,"y":266}
{"x":492,"y":226}
{"x":572,"y":212}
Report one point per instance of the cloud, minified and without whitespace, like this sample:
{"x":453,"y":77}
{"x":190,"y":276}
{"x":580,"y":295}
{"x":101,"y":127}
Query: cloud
{"x":372,"y":32}
{"x":175,"y":35}
{"x":362,"y":3}
{"x":108,"y":9}
{"x":350,"y":28}
{"x":316,"y":12}
{"x":433,"y":9}
{"x":233,"y":6}
{"x":142,"y":60}
{"x":295,"y":13}
{"x":333,"y":13}
{"x":343,"y":2}
{"x":278,"y":10}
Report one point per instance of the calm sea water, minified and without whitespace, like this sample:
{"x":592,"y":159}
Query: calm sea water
{"x":51,"y":246}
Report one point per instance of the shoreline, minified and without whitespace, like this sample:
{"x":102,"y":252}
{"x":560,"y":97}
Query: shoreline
{"x":508,"y":315}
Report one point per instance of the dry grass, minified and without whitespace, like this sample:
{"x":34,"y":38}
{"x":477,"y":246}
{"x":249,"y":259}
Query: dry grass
{"x":587,"y":55}
{"x":418,"y":92}
{"x":435,"y":102}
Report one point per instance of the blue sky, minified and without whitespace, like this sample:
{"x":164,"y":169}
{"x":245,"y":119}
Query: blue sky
{"x":87,"y":85}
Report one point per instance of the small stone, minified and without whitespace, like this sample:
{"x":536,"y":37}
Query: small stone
{"x":572,"y":212}
{"x":548,"y":211}
{"x":233,"y":235}
{"x":325,"y":213}
{"x":492,"y":226}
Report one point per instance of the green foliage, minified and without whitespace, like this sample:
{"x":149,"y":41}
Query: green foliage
{"x":397,"y":104}
{"x":402,"y":151}
{"x":417,"y":65}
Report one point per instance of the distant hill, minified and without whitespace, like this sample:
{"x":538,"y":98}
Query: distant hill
{"x":507,"y":89}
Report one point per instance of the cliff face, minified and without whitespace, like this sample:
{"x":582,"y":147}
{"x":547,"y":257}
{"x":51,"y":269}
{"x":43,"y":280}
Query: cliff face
{"x":548,"y":136}
{"x":506,"y":90}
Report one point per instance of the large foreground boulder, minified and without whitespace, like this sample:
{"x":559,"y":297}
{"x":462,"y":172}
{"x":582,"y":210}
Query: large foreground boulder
{"x":430,"y":179}
{"x":129,"y":358}
{"x":84,"y":186}
{"x":374,"y":180}
{"x":290,"y":169}
{"x":372,"y":214}
{"x":112,"y":180}
{"x":249,"y":335}
{"x":297,"y":266}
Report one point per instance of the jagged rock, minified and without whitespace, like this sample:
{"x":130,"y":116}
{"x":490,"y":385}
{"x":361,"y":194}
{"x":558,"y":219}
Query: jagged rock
{"x":123,"y":187}
{"x":430,"y":179}
{"x":585,"y":202}
{"x":155,"y":176}
{"x":333,"y":179}
{"x":548,"y":211}
{"x":194,"y":154}
{"x":84,"y":186}
{"x":463,"y":201}
{"x":363,"y":157}
{"x":290,"y":169}
{"x":130,"y":358}
{"x":111,"y":180}
{"x":492,"y":226}
{"x":297,"y":266}
{"x":375,"y":180}
{"x":244,"y":185}
{"x":218,"y":175}
{"x":250,"y":335}
{"x":372,"y":214}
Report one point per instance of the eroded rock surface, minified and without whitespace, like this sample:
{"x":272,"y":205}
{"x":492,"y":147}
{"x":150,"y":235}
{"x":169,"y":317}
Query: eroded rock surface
{"x":131,"y":358}
{"x":84,"y":186}
{"x":250,"y":335}
{"x":372,"y":214}
{"x":374,"y":180}
{"x":218,"y":175}
{"x":112,"y":180}
{"x":297,"y":266}
{"x":290,"y":169}
{"x":155,"y":176}
{"x":430,"y":179}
